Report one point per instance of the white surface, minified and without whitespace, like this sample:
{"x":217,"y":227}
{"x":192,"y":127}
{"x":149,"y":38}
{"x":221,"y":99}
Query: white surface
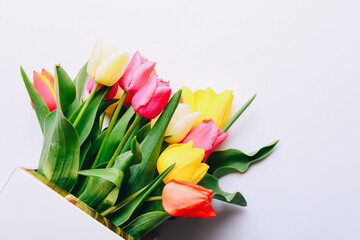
{"x":34,"y":217}
{"x":301,"y":57}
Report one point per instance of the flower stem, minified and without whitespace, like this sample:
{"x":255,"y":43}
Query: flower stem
{"x":110,"y":127}
{"x":157,"y":198}
{"x":238,"y":114}
{"x":124,"y":140}
{"x":92,"y":93}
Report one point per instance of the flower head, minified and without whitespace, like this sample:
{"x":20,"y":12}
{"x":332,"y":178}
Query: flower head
{"x":106,"y":65}
{"x":210,"y":104}
{"x":186,"y":199}
{"x":151,"y":99}
{"x":136,"y":74}
{"x":44,"y":83}
{"x":188,"y":163}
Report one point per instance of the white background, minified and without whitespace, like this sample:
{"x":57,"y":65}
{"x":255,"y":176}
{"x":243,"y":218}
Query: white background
{"x":301,"y":57}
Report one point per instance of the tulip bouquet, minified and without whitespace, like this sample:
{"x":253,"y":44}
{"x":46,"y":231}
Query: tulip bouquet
{"x":154,"y":160}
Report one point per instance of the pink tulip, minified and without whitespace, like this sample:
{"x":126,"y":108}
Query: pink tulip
{"x":111,"y":94}
{"x":136,"y":74}
{"x":151,"y":100}
{"x":44,"y":84}
{"x":206,"y":135}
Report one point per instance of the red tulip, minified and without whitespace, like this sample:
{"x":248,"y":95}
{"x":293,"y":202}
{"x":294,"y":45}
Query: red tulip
{"x":151,"y":99}
{"x":44,"y":84}
{"x":186,"y":199}
{"x":137,"y":73}
{"x":206,"y":135}
{"x":111,"y":94}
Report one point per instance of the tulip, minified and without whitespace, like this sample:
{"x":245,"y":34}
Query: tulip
{"x":106,"y":65}
{"x":186,"y":199}
{"x":44,"y":84}
{"x":188,"y":163}
{"x":110,"y":95}
{"x":210,"y":104}
{"x":151,"y":99}
{"x":180,"y":123}
{"x":207,"y":135}
{"x":136,"y":74}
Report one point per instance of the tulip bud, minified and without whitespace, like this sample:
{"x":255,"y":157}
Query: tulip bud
{"x":207,"y":135}
{"x":210,"y":104}
{"x":188,"y":163}
{"x":180,"y":123}
{"x":109,"y":96}
{"x":44,"y":84}
{"x":136,"y":74}
{"x":185,"y":199}
{"x":151,"y":99}
{"x":106,"y":65}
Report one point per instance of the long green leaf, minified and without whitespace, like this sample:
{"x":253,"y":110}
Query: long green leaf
{"x":86,"y":123}
{"x":41,"y":110}
{"x":109,"y":200}
{"x":212,"y":183}
{"x":60,"y":155}
{"x":115,"y":136}
{"x":233,"y":160}
{"x":123,"y":214}
{"x":142,"y":173}
{"x":143,"y":224}
{"x":97,"y":189}
{"x":111,"y":174}
{"x":80,"y":81}
{"x":66,"y":91}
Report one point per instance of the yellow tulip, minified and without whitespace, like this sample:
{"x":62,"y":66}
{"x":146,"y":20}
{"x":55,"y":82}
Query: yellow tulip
{"x":188,"y":163}
{"x":210,"y":104}
{"x":180,"y":123}
{"x":106,"y":65}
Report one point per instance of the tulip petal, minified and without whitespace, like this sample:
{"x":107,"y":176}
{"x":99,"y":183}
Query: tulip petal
{"x":43,"y":86}
{"x":49,"y":76}
{"x":94,"y":59}
{"x":179,"y":129}
{"x":189,"y":99}
{"x":111,"y":69}
{"x":200,"y":173}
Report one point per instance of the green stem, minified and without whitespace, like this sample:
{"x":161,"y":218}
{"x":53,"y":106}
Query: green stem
{"x":111,"y":126}
{"x":124,"y":140}
{"x":92,"y":93}
{"x":238,"y":114}
{"x":157,"y":198}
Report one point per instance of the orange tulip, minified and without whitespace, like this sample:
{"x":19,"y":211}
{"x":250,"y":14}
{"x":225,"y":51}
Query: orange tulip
{"x":186,"y":199}
{"x":44,"y":83}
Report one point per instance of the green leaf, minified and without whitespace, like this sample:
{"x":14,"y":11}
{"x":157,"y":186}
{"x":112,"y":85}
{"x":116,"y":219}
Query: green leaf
{"x":60,"y":155}
{"x":143,"y":224}
{"x":80,"y":81}
{"x":124,"y":212}
{"x":111,"y":174}
{"x":142,"y":173}
{"x":41,"y":110}
{"x":233,"y":160}
{"x":97,"y":188}
{"x":65,"y":89}
{"x":86,"y":122}
{"x":115,"y":137}
{"x":109,"y":201}
{"x":143,"y":132}
{"x":211,"y":182}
